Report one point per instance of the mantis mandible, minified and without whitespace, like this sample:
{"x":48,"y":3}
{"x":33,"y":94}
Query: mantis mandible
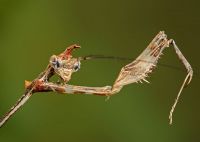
{"x":64,"y":65}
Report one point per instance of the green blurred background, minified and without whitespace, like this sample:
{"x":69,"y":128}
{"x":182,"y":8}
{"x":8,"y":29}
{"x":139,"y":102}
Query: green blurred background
{"x":32,"y":30}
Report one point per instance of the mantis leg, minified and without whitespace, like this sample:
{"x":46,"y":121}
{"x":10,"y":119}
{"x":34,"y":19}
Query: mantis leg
{"x":73,"y":89}
{"x":187,"y":80}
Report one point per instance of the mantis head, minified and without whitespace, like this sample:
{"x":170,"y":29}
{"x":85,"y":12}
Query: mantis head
{"x":64,"y":64}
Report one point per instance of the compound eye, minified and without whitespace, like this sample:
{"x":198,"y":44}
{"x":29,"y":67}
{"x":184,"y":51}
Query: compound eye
{"x":77,"y":66}
{"x":55,"y":62}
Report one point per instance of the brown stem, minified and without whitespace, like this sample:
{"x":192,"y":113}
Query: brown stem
{"x":43,"y":77}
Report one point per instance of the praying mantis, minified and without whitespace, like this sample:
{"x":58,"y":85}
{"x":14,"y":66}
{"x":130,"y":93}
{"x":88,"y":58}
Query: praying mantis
{"x":64,"y":65}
